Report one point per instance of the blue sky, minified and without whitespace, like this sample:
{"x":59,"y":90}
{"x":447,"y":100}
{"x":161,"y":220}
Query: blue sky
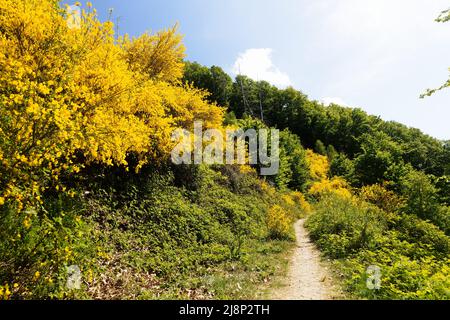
{"x":378,"y":55}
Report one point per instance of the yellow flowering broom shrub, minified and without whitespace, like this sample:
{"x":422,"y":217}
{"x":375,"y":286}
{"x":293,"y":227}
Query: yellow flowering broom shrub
{"x":318,"y":165}
{"x":295,"y":204}
{"x":278,"y":222}
{"x":66,"y":92}
{"x":299,"y":199}
{"x":319,"y":168}
{"x":384,"y":199}
{"x":71,"y":96}
{"x":157,"y":55}
{"x":335,"y":185}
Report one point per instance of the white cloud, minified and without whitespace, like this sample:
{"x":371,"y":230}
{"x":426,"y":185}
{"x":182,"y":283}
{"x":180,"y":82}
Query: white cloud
{"x":333,"y":100}
{"x":257,"y":64}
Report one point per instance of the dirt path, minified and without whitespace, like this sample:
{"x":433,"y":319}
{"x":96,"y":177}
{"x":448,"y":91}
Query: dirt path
{"x":308,"y":278}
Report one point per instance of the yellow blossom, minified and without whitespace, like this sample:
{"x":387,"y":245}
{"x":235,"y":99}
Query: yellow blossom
{"x":27,"y":223}
{"x":37,"y":275}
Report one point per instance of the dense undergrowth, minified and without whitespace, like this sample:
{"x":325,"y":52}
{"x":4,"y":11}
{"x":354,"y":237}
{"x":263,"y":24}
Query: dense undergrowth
{"x":147,"y":236}
{"x":412,"y":255}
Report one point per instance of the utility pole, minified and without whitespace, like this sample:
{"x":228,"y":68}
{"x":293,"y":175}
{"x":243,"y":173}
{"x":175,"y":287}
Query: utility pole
{"x":260,"y":102}
{"x":243,"y":94}
{"x":117,"y":26}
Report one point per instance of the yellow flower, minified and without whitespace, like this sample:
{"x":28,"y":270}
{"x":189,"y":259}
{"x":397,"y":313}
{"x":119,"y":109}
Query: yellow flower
{"x":90,"y":276}
{"x":278,"y":222}
{"x":27,"y":223}
{"x":43,"y":89}
{"x":4,"y":292}
{"x":33,"y":108}
{"x":288,"y":199}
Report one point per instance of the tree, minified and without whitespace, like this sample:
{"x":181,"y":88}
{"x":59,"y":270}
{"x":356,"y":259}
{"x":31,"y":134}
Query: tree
{"x":445,"y":158}
{"x":320,"y":148}
{"x":214,"y":80}
{"x":296,"y":156}
{"x":422,"y":199}
{"x":348,"y":130}
{"x":331,"y":152}
{"x":342,"y":166}
{"x":378,"y":155}
{"x":443,"y":186}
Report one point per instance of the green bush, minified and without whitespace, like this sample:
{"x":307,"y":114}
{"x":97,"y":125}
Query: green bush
{"x":37,"y":246}
{"x":346,"y":224}
{"x":415,"y":230}
{"x":165,"y":226}
{"x":412,"y":254}
{"x":422,"y":200}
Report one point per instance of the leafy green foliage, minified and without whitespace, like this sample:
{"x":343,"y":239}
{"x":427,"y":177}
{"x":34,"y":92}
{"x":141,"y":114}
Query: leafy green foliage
{"x":197,"y":231}
{"x":162,"y":228}
{"x":214,"y":80}
{"x":422,"y":200}
{"x":36,"y":248}
{"x":342,"y":166}
{"x":320,"y":148}
{"x":348,"y":225}
{"x":379,"y":154}
{"x":348,"y":130}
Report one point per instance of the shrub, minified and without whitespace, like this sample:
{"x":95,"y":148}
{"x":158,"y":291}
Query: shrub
{"x":422,"y":200}
{"x":299,"y":198}
{"x":401,"y":277}
{"x":415,"y":230}
{"x":359,"y":224}
{"x":37,"y":245}
{"x":384,"y":199}
{"x":342,"y":166}
{"x":318,"y":165}
{"x":412,"y":254}
{"x":336,"y":185}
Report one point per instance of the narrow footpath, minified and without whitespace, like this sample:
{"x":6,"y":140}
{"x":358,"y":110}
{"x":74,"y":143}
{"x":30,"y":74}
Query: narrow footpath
{"x":308,"y":278}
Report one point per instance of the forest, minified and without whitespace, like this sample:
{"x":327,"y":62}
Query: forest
{"x":86,"y":180}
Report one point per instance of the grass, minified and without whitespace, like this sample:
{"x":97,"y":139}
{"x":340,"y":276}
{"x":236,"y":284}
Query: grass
{"x":251,"y":277}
